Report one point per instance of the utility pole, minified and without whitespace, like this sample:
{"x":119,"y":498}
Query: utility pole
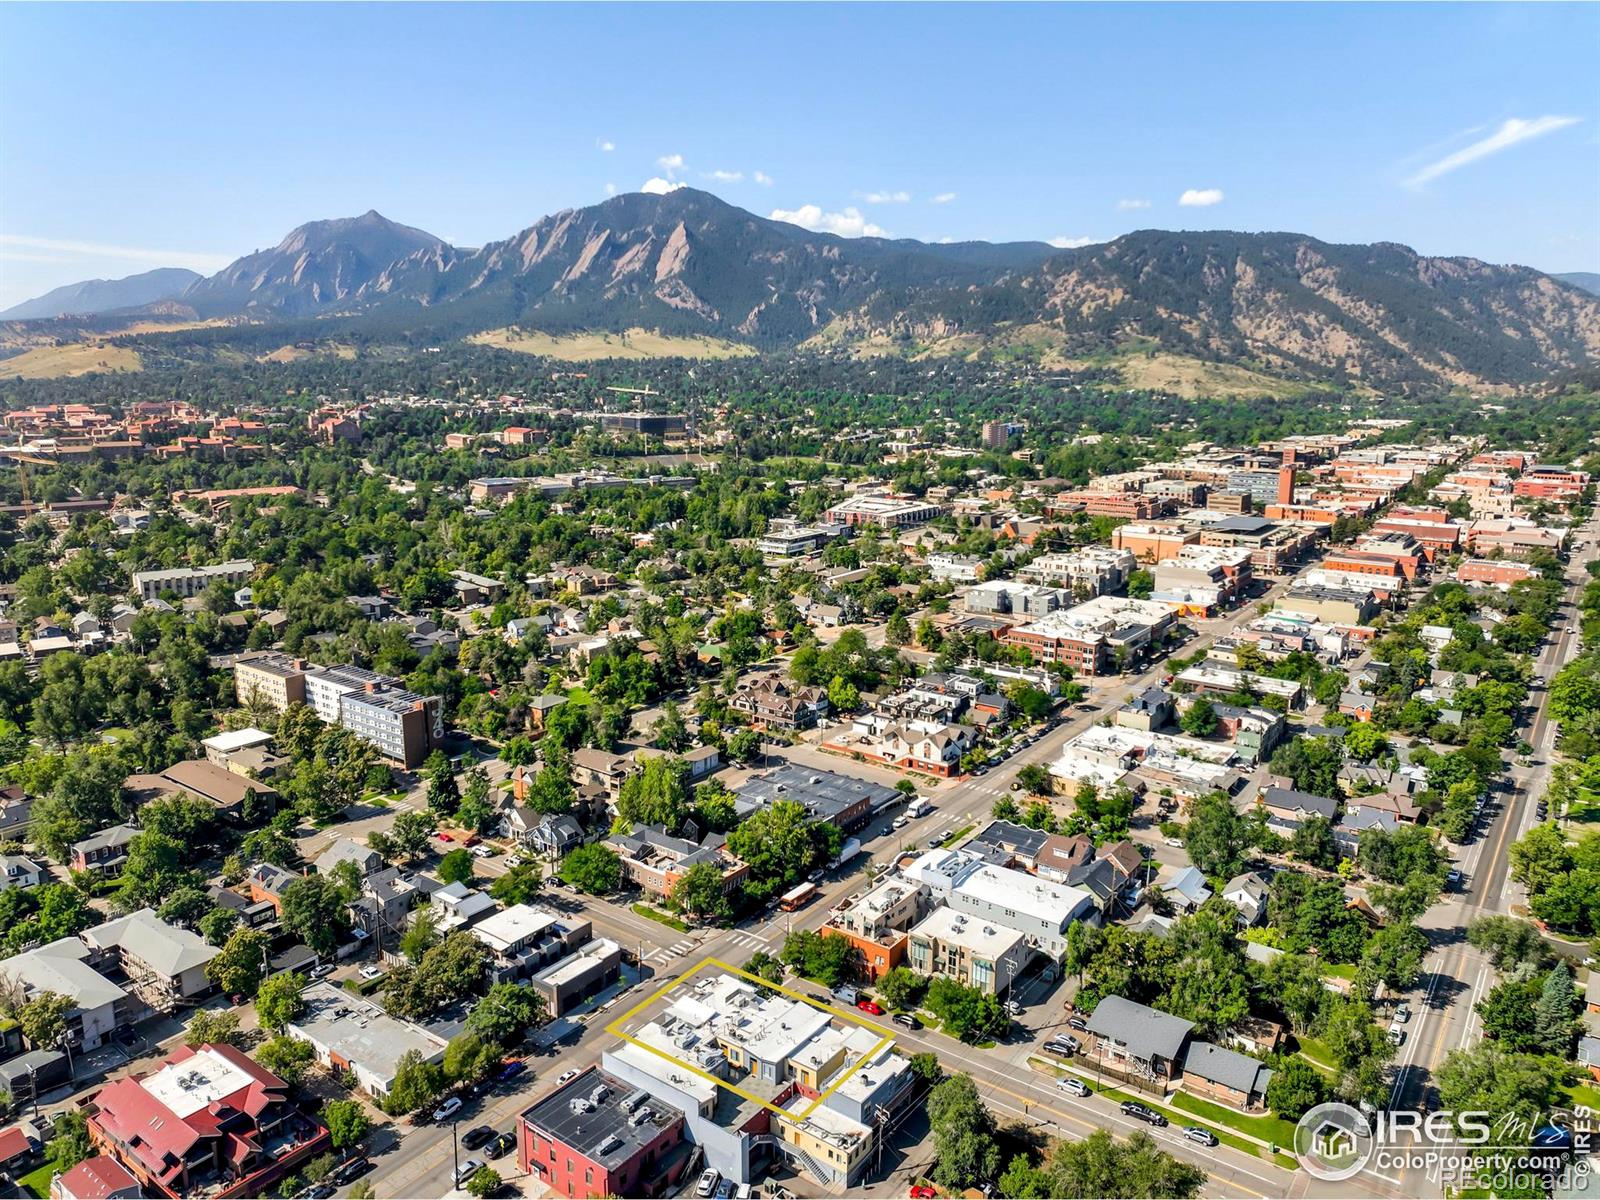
{"x":455,"y":1153}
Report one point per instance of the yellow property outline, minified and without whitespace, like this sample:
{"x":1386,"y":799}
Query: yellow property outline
{"x":615,"y":1027}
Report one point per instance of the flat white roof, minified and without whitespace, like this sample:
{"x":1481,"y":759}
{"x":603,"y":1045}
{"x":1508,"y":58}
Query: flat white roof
{"x":198,"y":1081}
{"x":238,"y":739}
{"x":1052,"y":903}
{"x":984,"y":939}
{"x":510,"y":926}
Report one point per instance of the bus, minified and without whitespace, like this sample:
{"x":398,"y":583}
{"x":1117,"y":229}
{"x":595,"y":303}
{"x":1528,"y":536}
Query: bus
{"x":797,"y":897}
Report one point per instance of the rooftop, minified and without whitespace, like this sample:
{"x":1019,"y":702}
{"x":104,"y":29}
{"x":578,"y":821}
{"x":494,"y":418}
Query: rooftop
{"x":600,"y":1117}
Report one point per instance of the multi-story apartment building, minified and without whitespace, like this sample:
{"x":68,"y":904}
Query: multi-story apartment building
{"x":875,"y":923}
{"x":404,"y":726}
{"x":1093,"y":637}
{"x":1094,"y":569}
{"x":885,"y":512}
{"x":269,"y":677}
{"x":190,"y":581}
{"x":972,"y":951}
{"x":1152,"y":541}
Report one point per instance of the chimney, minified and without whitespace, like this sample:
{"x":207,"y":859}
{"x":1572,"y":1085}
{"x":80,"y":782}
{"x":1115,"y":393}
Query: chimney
{"x":1286,"y":485}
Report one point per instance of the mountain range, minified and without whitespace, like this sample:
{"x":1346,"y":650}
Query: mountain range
{"x":95,"y":296}
{"x":689,"y":263}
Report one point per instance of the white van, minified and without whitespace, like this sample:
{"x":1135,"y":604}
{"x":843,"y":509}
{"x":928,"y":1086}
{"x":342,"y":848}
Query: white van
{"x":847,"y":994}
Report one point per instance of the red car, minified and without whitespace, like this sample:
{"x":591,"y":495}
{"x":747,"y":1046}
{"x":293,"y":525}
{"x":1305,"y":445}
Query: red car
{"x":471,"y":839}
{"x":870,"y":1006}
{"x":442,"y":835}
{"x":923,"y":1192}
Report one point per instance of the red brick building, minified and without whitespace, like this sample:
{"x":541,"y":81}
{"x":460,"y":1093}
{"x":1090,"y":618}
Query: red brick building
{"x":589,"y":1137}
{"x":210,"y":1121}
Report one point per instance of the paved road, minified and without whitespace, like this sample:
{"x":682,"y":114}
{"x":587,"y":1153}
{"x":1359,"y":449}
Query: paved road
{"x":1455,"y":976}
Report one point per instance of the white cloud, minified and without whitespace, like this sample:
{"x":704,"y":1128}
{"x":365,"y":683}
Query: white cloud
{"x":849,"y":223}
{"x":762,"y":178}
{"x":657,"y":186}
{"x":194,"y":260}
{"x":1200,"y":197}
{"x":944,"y":198}
{"x":1510,"y":133}
{"x":726,"y":176}
{"x":611,"y":189}
{"x":670,"y":163}
{"x":1127,"y":204}
{"x":606,"y":146}
{"x":885,"y":197}
{"x":1065,"y":243}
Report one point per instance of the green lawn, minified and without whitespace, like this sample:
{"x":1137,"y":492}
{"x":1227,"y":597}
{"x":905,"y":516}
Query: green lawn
{"x":38,"y":1181}
{"x":1268,"y":1129}
{"x":1345,"y":971}
{"x":1184,"y":1109}
{"x":1315,"y":1052}
{"x":655,"y":914}
{"x":1585,"y":1094}
{"x":578,"y":695}
{"x":959,"y":834}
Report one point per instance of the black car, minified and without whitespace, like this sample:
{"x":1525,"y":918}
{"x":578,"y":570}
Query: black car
{"x":351,"y":1170}
{"x":502,"y":1144}
{"x":477,"y":1136}
{"x":1148,"y":1115}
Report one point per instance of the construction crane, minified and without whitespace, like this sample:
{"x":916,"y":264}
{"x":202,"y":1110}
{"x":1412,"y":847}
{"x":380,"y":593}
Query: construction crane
{"x":647,"y":390}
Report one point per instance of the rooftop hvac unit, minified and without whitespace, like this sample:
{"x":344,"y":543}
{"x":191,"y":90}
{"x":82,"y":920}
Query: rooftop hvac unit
{"x":643,"y":1115}
{"x":634,"y":1099}
{"x":612,"y":1142}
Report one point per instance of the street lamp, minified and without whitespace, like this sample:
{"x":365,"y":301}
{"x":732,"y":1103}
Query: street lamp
{"x":455,"y":1152}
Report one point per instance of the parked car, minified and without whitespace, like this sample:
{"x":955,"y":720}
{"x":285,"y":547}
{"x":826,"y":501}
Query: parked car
{"x":322,"y":970}
{"x":1013,"y":1008}
{"x":566,"y":1077}
{"x":467,"y":1170}
{"x":351,"y":1170}
{"x":1195,"y":1134}
{"x":870,"y":1006}
{"x":922,"y":1191}
{"x":510,"y":1069}
{"x":483,"y":852}
{"x":503,"y":1144}
{"x":1150,"y":1116}
{"x":1062,"y":1045}
{"x":725,"y":1189}
{"x":1397,"y":1035}
{"x":370,"y":972}
{"x":319,"y":1191}
{"x":847,"y":994}
{"x":1073,"y":1086}
{"x":708,"y":1182}
{"x":448,"y":1109}
{"x":906,"y":1019}
{"x":478,"y":1135}
{"x":1174,"y":842}
{"x":442,"y":835}
{"x":1078,"y":1023}
{"x":1402,"y":1012}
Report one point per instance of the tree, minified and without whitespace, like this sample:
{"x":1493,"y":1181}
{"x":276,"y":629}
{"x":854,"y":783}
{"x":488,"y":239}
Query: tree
{"x":415,"y":1084}
{"x":217,"y":924}
{"x":185,"y":906}
{"x":656,"y":795}
{"x":828,"y":960}
{"x":1313,"y":843}
{"x":279,"y":1000}
{"x":286,"y":1057}
{"x":898,"y":631}
{"x":71,"y":1144}
{"x":1554,"y":1029}
{"x":1508,"y":942}
{"x":670,"y":733}
{"x":594,"y":869}
{"x":1141,"y":584}
{"x":843,"y":696}
{"x":699,"y":892}
{"x":211,"y":1026}
{"x":1311,"y":763}
{"x":1101,"y":1166}
{"x":1200,"y":719}
{"x":421,"y":935}
{"x":1217,"y":837}
{"x":469,"y":1057}
{"x":1295,"y":1087}
{"x":410,"y":834}
{"x":485,"y":1181}
{"x":444,"y":796}
{"x":153,"y":871}
{"x":239,"y":965}
{"x":315,"y":910}
{"x":44,"y":1020}
{"x":347,"y":1123}
{"x":901,"y":988}
{"x":456,"y":866}
{"x":966,"y":1012}
{"x":1486,"y":1077}
{"x":1035,"y":779}
{"x":780,"y":846}
{"x":1364,"y":742}
{"x":506,"y":1013}
{"x":965,"y":1152}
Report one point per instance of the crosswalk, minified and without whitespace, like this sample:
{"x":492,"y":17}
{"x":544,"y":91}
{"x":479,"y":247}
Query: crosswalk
{"x":741,"y":939}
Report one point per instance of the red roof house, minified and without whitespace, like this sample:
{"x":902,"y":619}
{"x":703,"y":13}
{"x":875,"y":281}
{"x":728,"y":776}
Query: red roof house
{"x":210,"y":1120}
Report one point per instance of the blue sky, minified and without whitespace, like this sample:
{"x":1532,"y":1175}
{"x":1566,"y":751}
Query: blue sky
{"x":140,"y":136}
